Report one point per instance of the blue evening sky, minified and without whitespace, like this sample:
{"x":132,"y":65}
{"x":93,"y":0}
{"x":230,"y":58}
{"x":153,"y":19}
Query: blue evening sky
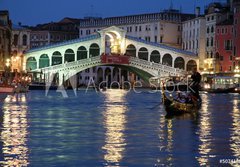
{"x":32,"y":12}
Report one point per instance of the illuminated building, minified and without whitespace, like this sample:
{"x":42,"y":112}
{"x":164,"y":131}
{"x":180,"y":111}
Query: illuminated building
{"x":20,"y":44}
{"x":5,"y":39}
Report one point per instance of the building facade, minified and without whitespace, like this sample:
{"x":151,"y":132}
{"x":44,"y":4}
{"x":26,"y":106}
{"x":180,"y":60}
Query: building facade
{"x":5,"y":40}
{"x":164,"y":27}
{"x":193,"y":37}
{"x":225,"y":61}
{"x":236,"y":35}
{"x":215,"y":13}
{"x":51,"y":33}
{"x":20,"y":44}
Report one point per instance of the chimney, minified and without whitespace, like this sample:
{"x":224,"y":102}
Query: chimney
{"x":197,"y":11}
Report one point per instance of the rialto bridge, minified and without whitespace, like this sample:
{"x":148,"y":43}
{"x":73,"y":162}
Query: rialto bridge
{"x":110,"y":47}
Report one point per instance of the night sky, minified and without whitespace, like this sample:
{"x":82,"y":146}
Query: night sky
{"x":32,"y":12}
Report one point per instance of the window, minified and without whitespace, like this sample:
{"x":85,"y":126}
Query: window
{"x":136,"y":28}
{"x":161,"y":39}
{"x":211,"y":41}
{"x":213,"y":17}
{"x":228,"y":44}
{"x":230,"y":68}
{"x":212,"y":29}
{"x":24,"y":42}
{"x":140,"y":28}
{"x":234,"y":51}
{"x":207,"y":42}
{"x":230,"y":57}
{"x":15,"y":40}
{"x":155,"y":38}
{"x":207,"y":29}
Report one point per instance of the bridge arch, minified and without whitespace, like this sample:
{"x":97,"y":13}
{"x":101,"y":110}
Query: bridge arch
{"x":31,"y":63}
{"x":143,"y":53}
{"x":155,"y":56}
{"x":99,"y":74}
{"x":82,"y":53}
{"x":44,"y":61}
{"x":167,"y":60}
{"x":131,"y":50}
{"x":191,"y":64}
{"x":94,"y":50}
{"x":56,"y":58}
{"x":69,"y":55}
{"x":179,"y":63}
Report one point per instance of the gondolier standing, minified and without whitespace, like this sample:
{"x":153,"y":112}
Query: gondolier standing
{"x":195,"y":84}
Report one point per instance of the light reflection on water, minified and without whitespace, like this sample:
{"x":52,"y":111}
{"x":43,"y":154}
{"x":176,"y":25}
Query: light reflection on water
{"x":14,"y":131}
{"x":235,"y":131}
{"x":116,"y":128}
{"x":204,"y":133}
{"x":114,"y":123}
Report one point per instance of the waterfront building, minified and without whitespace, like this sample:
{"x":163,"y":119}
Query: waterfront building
{"x":20,"y":44}
{"x":5,"y":40}
{"x":236,"y":31}
{"x":215,"y":13}
{"x":54,"y":32}
{"x":193,"y":36}
{"x":224,"y":46}
{"x":163,"y":27}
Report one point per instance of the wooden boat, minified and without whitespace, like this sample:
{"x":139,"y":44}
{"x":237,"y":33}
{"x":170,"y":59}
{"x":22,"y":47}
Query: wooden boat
{"x":174,"y":107}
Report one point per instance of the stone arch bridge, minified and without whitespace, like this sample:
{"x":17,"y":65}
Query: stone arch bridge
{"x":110,"y":46}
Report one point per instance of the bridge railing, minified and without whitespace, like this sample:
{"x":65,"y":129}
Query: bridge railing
{"x":71,"y":64}
{"x":157,"y":66}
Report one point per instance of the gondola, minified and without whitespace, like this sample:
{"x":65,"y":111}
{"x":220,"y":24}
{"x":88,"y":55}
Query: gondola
{"x":174,"y":107}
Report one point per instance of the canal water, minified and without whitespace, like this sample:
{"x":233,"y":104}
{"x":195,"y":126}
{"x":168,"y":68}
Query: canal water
{"x":116,"y":128}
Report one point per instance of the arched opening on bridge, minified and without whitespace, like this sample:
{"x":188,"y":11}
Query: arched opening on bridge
{"x":56,"y":58}
{"x":179,"y":63}
{"x":99,"y":75}
{"x":81,"y":53}
{"x":69,"y":56}
{"x":131,"y":50}
{"x":31,"y":63}
{"x":167,"y":60}
{"x":108,"y":76}
{"x":191,"y":65}
{"x":44,"y":61}
{"x":94,"y":50}
{"x":143,"y":53}
{"x":155,"y":56}
{"x":116,"y":74}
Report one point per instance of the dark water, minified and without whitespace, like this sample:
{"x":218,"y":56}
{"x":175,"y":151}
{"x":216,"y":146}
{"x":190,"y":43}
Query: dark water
{"x":116,"y":128}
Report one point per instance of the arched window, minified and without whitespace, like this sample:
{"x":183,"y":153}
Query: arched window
{"x":94,"y":50}
{"x":155,"y":56}
{"x":24,"y":40}
{"x":167,"y":60}
{"x":143,"y":53}
{"x":15,"y":40}
{"x":31,"y":64}
{"x":131,"y":50}
{"x":43,"y":61}
{"x":81,"y":53}
{"x":179,"y":63}
{"x":191,"y":65}
{"x":56,"y":58}
{"x":69,"y":56}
